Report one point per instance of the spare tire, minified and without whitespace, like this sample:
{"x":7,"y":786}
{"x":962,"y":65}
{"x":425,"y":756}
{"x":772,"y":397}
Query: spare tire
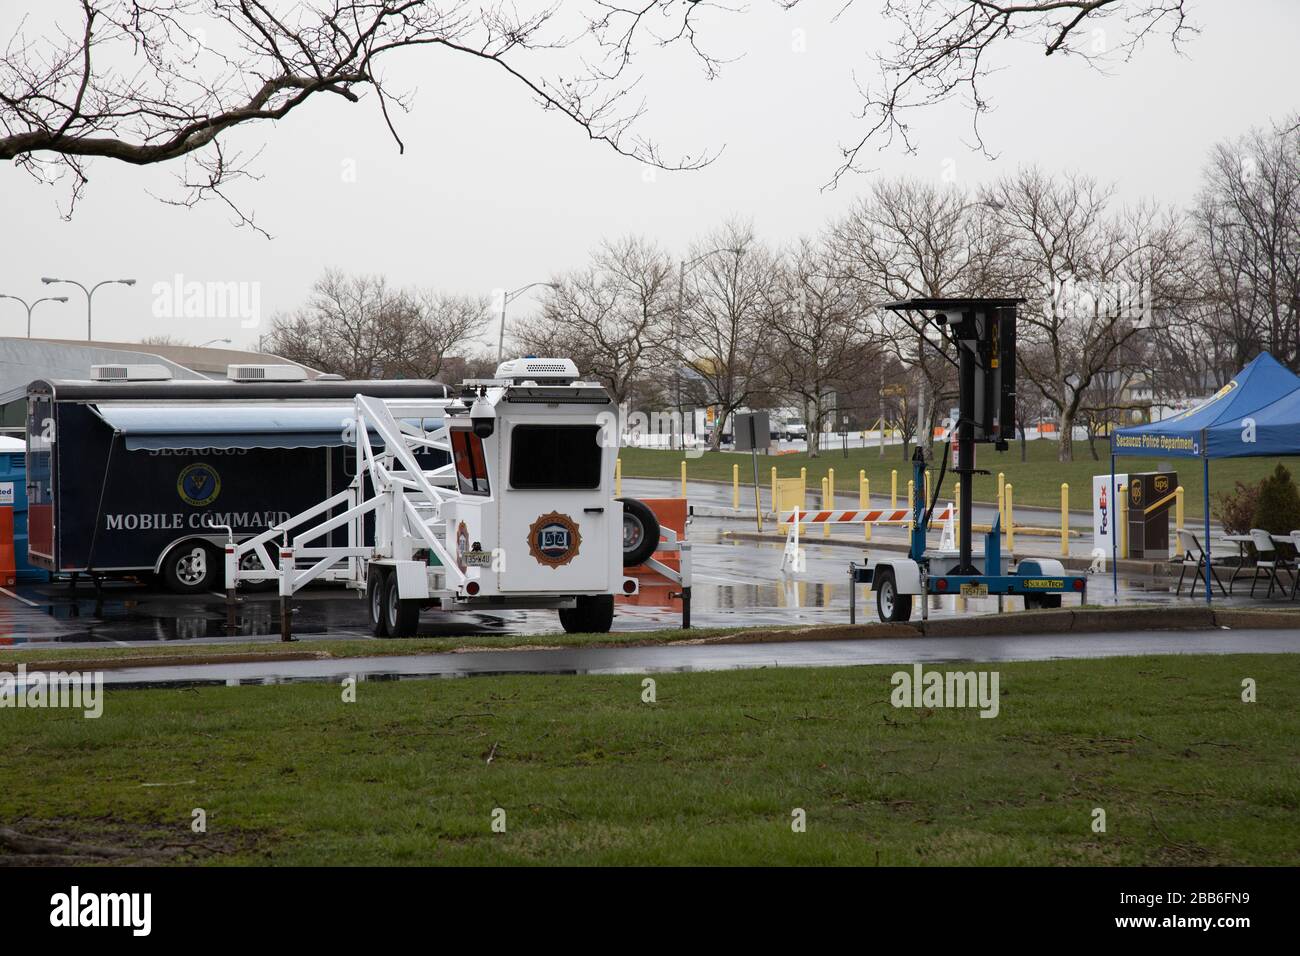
{"x":640,"y":532}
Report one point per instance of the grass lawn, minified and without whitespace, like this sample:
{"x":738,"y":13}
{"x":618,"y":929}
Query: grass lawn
{"x":588,"y":773}
{"x":1037,"y":481}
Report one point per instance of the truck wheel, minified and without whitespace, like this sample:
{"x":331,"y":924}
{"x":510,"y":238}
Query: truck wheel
{"x":640,"y":532}
{"x":890,"y":605}
{"x":401,"y":617}
{"x":251,"y":562}
{"x":591,"y":615}
{"x":190,"y":568}
{"x":376,"y":578}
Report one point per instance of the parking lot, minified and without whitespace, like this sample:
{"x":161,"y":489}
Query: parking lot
{"x":737,"y":582}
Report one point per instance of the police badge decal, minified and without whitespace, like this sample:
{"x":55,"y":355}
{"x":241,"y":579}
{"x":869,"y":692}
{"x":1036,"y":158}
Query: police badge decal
{"x":554,"y":539}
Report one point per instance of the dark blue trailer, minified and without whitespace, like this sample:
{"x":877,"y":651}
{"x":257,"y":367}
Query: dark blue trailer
{"x":140,"y":478}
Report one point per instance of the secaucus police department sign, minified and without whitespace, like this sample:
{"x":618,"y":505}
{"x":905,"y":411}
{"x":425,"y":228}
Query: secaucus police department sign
{"x":554,"y":540}
{"x":198,"y":484}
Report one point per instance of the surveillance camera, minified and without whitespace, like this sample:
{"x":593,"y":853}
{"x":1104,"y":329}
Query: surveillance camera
{"x":483,"y":417}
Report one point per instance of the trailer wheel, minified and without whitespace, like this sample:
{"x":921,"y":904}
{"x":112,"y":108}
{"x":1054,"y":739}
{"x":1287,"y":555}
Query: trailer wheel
{"x":1034,"y":602}
{"x":890,"y":605}
{"x":190,"y":568}
{"x":640,"y":532}
{"x":591,"y":615}
{"x":251,"y":562}
{"x":376,"y":579}
{"x":401,"y":617}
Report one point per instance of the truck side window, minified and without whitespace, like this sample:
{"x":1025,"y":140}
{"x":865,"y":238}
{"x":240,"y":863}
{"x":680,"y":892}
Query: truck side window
{"x":471,"y":468}
{"x":555,"y":456}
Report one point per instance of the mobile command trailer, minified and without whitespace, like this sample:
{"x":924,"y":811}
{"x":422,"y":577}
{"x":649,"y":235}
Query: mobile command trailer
{"x":524,"y":516}
{"x":133,"y":474}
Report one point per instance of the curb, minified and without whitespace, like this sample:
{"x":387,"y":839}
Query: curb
{"x":174,"y":660}
{"x":1065,"y":620}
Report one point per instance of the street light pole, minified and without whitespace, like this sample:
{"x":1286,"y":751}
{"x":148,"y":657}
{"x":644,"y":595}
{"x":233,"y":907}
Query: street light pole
{"x":506,"y":299}
{"x":30,"y":308}
{"x":682,"y":266}
{"x":89,"y":295}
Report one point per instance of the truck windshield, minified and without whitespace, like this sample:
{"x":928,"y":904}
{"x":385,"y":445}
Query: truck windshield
{"x":555,"y":456}
{"x":471,"y":470}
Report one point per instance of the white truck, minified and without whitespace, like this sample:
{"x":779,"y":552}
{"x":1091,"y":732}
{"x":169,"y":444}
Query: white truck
{"x":524,"y":515}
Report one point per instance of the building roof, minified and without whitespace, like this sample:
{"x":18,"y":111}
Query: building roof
{"x":26,"y":360}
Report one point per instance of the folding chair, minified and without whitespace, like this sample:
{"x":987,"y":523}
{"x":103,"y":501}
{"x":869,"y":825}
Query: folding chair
{"x":1295,"y":543}
{"x":1267,"y":559}
{"x":1194,"y":556}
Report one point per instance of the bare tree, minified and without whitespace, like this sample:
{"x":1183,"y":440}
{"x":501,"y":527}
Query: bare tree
{"x":819,"y":341}
{"x":724,"y":342}
{"x":609,"y":317}
{"x":909,"y":238}
{"x":1248,"y":224}
{"x":1093,"y":280}
{"x":945,"y":50}
{"x":153,"y":81}
{"x":360,"y":327}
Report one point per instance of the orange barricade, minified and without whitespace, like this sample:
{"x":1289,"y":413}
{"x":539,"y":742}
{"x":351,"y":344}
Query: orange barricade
{"x":656,"y":589}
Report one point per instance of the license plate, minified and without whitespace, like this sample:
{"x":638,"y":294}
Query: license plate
{"x":974,"y":590}
{"x":478,"y":559}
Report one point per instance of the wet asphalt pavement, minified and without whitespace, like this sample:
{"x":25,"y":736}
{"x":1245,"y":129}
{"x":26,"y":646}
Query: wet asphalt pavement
{"x":737,"y":583}
{"x":713,"y":657}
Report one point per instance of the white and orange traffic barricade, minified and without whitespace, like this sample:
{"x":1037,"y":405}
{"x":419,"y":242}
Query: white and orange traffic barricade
{"x":669,"y":567}
{"x":790,"y":560}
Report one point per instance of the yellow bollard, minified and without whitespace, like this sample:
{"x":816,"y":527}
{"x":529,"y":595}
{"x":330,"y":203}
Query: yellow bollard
{"x":618,"y":477}
{"x":911,"y":511}
{"x":893,"y":490}
{"x":1007,"y":499}
{"x":956,"y":504}
{"x":683,"y":478}
{"x":774,"y":492}
{"x":830,"y":500}
{"x":925,"y":502}
{"x":1065,"y":519}
{"x":1002,"y":515}
{"x":864,"y":501}
{"x":1178,"y":511}
{"x":826,"y":506}
{"x":735,"y":487}
{"x":1123,"y":522}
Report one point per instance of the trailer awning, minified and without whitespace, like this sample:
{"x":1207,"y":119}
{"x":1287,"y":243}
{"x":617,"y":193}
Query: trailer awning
{"x":154,"y":427}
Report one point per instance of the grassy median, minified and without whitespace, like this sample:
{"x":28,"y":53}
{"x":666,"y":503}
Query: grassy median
{"x":1037,"y":480}
{"x":586,"y":772}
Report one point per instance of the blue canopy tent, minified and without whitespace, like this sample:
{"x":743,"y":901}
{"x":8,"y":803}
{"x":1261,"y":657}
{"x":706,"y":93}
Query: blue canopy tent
{"x":1220,"y":427}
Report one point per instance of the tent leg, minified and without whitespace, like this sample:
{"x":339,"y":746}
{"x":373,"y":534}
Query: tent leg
{"x":1205,"y":477}
{"x":1114,"y":534}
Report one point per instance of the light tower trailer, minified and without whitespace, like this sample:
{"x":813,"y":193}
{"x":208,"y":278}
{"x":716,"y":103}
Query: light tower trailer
{"x":524,"y":515}
{"x":983,"y":332}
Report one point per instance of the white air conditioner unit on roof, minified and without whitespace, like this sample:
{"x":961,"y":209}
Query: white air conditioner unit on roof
{"x":266,"y":373}
{"x":538,"y":370}
{"x":130,"y":373}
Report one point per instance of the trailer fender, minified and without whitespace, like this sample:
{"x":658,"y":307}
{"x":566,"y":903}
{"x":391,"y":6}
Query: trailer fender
{"x":217,"y":541}
{"x":907,"y":574}
{"x":412,"y":580}
{"x":1041,"y":567}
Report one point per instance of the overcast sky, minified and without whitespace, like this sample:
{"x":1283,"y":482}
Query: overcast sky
{"x":492,"y":193}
